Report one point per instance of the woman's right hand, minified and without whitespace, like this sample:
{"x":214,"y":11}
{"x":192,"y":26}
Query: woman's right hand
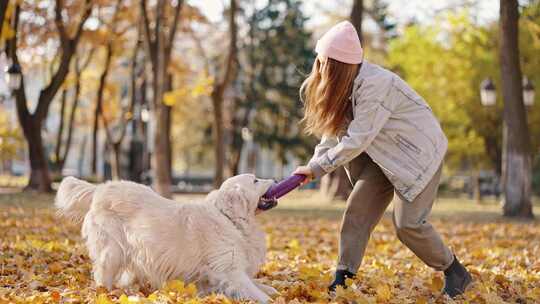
{"x":304,"y":170}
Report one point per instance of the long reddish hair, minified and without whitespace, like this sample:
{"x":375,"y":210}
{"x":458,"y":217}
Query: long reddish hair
{"x":325,"y":93}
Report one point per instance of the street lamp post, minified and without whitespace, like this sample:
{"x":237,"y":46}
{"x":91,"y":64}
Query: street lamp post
{"x":528,"y":92}
{"x":488,"y":92}
{"x":13,"y":77}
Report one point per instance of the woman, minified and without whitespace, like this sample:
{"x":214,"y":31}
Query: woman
{"x":390,"y":142}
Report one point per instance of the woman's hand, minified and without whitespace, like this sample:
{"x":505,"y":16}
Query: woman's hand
{"x":304,"y":170}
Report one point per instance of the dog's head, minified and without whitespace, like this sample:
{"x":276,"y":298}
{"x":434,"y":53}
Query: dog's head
{"x":239,"y":196}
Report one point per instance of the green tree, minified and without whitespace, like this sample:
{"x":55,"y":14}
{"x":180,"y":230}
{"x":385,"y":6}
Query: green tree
{"x":529,"y":46}
{"x":446,"y":62}
{"x":447,"y":74}
{"x":275,"y":59}
{"x":31,"y":21}
{"x":159,"y":36}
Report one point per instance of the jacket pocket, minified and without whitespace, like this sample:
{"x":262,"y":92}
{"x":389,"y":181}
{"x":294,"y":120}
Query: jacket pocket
{"x":416,"y":153}
{"x":407,"y":144}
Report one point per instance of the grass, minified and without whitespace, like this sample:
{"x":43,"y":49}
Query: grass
{"x":312,"y":204}
{"x":309,"y":203}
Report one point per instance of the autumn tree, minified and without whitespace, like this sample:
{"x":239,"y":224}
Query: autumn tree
{"x":118,"y":23}
{"x":69,"y":22}
{"x":159,"y":36}
{"x":448,"y":74}
{"x":517,"y":155}
{"x":356,"y":16}
{"x":65,"y":131}
{"x":115,"y":126}
{"x":275,"y":56}
{"x":222,"y":79}
{"x":529,"y":46}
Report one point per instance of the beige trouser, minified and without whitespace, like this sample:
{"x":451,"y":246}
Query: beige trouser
{"x":369,"y":199}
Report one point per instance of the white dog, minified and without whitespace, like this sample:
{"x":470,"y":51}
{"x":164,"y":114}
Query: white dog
{"x":135,"y":235}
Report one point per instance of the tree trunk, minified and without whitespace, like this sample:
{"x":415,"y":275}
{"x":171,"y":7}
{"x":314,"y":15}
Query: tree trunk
{"x":136,"y":163}
{"x":167,"y":130}
{"x":494,"y":152}
{"x":159,"y":50}
{"x":234,"y":163}
{"x":99,"y":104}
{"x":136,"y":168}
{"x":162,"y":182}
{"x":476,"y":191}
{"x":217,"y":96}
{"x":160,"y":162}
{"x":138,"y":153}
{"x":57,"y":171}
{"x":219,"y":148}
{"x":3,"y":9}
{"x":336,"y":185}
{"x":39,"y":169}
{"x":517,"y":158}
{"x":95,"y":130}
{"x":356,"y":16}
{"x":71,"y":121}
{"x":32,"y":123}
{"x":116,"y":167}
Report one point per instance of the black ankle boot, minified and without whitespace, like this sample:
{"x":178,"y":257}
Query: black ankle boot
{"x":339,"y":280}
{"x":456,"y":279}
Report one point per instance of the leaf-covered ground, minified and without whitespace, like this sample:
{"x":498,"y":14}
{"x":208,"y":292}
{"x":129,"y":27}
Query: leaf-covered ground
{"x":42,"y":259}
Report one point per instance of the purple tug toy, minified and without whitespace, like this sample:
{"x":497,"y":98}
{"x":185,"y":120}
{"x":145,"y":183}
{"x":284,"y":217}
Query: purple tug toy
{"x":269,"y":199}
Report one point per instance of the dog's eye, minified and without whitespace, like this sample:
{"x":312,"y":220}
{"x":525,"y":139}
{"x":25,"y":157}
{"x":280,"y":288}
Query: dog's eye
{"x":255,"y":181}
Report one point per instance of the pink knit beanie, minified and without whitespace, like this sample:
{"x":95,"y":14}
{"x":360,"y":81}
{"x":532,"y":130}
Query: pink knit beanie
{"x":341,"y":43}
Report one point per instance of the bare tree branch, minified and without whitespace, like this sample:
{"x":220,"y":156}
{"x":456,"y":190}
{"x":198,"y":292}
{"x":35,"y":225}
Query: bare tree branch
{"x":231,"y":57}
{"x":217,"y":97}
{"x":79,"y":70}
{"x":60,"y":130}
{"x":158,"y":35}
{"x":22,"y":108}
{"x":86,"y":14}
{"x":59,"y":5}
{"x":150,"y":42}
{"x":123,"y":123}
{"x":172,"y":33}
{"x":46,"y":95}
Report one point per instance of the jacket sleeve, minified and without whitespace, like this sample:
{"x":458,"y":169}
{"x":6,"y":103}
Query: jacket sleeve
{"x":327,"y":142}
{"x":371,"y":114}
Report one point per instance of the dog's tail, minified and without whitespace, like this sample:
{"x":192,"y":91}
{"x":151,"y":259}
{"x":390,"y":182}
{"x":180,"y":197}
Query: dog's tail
{"x":74,"y":198}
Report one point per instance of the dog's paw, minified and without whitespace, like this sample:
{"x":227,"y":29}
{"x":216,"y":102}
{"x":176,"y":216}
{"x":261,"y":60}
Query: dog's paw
{"x":269,"y":290}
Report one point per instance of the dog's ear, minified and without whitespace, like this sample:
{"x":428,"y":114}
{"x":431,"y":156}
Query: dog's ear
{"x":234,"y":204}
